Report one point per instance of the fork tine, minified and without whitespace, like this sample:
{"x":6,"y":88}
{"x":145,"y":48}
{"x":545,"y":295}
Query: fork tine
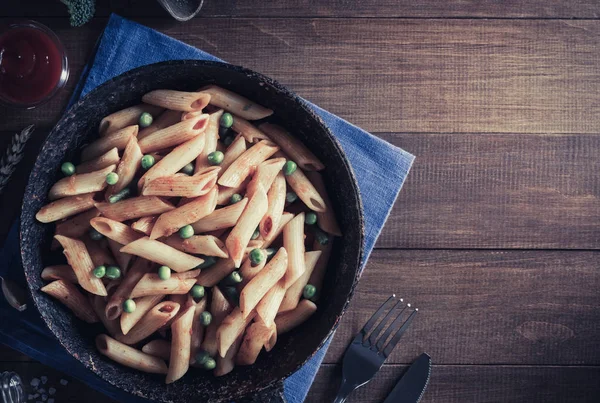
{"x":384,"y":321}
{"x":367,"y":327}
{"x":391,"y":328}
{"x":390,"y":346}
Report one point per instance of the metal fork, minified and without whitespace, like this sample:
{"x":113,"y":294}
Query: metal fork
{"x":369,"y":350}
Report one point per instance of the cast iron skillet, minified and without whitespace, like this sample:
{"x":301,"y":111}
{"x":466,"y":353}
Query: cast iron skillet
{"x":79,"y":125}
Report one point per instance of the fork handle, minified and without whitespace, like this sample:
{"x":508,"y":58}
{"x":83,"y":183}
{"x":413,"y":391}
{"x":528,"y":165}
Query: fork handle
{"x":345,"y":389}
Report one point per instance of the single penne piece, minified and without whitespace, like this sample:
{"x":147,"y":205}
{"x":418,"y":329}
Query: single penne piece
{"x":325,"y":220}
{"x":258,"y":287}
{"x":79,"y":259}
{"x":265,"y":174}
{"x":177,"y":100}
{"x":240,"y":235}
{"x":171,"y":163}
{"x":99,"y":252}
{"x":276,"y":202}
{"x":318,"y":273}
{"x":174,"y":135}
{"x":197,"y":327}
{"x":123,"y":259}
{"x":306,"y":191}
{"x":285,"y":218}
{"x":163,"y":254}
{"x":114,"y":306}
{"x":126,"y":117}
{"x":183,"y":185}
{"x":255,"y":338}
{"x":79,"y":184}
{"x":145,"y":224}
{"x":151,"y":284}
{"x":211,"y":276}
{"x":294,"y":293}
{"x":77,"y":226}
{"x":199,"y":244}
{"x":231,"y":328}
{"x":235,"y":103}
{"x":166,"y":119}
{"x":226,"y":364}
{"x":246,"y":163}
{"x":129,"y":356}
{"x":157,"y":317}
{"x":72,"y":298}
{"x":233,"y":152}
{"x":117,"y":139}
{"x":293,"y":242}
{"x":65,"y":207}
{"x":222,"y":218}
{"x":115,"y":230}
{"x":142,"y":306}
{"x":286,"y":321}
{"x":59,"y":272}
{"x":219,"y":308}
{"x":225,"y":193}
{"x":248,"y":130}
{"x":111,"y":157}
{"x":99,"y":306}
{"x":170,"y":222}
{"x":293,"y":147}
{"x":248,"y":271}
{"x":180,"y":345}
{"x":135,"y":207}
{"x":212,"y":139}
{"x":272,"y":340}
{"x":189,"y":274}
{"x":158,"y":348}
{"x":269,"y":305}
{"x":129,"y":165}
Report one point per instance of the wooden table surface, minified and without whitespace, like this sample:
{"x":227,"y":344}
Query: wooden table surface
{"x":495,"y":235}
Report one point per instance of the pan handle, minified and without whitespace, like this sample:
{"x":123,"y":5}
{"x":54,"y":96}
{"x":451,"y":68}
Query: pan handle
{"x":271,"y":394}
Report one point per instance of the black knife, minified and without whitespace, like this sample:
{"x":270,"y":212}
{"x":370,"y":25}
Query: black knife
{"x":411,"y":386}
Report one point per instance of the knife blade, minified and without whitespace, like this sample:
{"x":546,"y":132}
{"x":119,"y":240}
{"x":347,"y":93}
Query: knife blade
{"x":412,"y":384}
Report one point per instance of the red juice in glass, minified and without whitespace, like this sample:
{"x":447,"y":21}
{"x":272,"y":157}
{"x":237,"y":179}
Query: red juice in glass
{"x":33,"y":64}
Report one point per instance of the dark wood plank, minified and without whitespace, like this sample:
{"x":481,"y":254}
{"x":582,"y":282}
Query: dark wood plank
{"x":9,"y":355}
{"x":485,"y":307}
{"x":445,"y":76}
{"x":477,"y":384}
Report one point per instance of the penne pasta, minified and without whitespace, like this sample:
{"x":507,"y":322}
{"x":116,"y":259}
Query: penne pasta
{"x":99,"y":306}
{"x":79,"y":259}
{"x":129,"y":356}
{"x":270,"y":304}
{"x":72,"y":298}
{"x":225,"y":193}
{"x":111,"y":157}
{"x":117,"y":139}
{"x":258,"y":287}
{"x":265,"y":174}
{"x":129,"y":165}
{"x":158,"y":348}
{"x":115,"y":230}
{"x":65,"y":207}
{"x":163,"y":254}
{"x":233,"y":152}
{"x":219,"y":308}
{"x":197,"y":327}
{"x":80,"y":184}
{"x":211,"y":141}
{"x":325,"y":220}
{"x":59,"y":272}
{"x":183,"y":185}
{"x":246,"y":163}
{"x":272,"y":340}
{"x":114,"y":306}
{"x":154,"y":319}
{"x":211,"y":276}
{"x":256,"y":336}
{"x":318,"y":273}
{"x":293,"y":242}
{"x":293,"y":147}
{"x":276,"y":202}
{"x":180,"y":345}
{"x":240,"y":235}
{"x":306,"y":191}
{"x":99,"y":252}
{"x":283,"y":221}
{"x":222,"y":218}
{"x":231,"y":328}
{"x":135,"y":207}
{"x":248,"y":130}
{"x":235,"y":103}
{"x":248,"y":271}
{"x":142,"y":306}
{"x":166,"y":119}
{"x":145,"y":224}
{"x":294,"y":293}
{"x":123,"y":259}
{"x":174,"y":135}
{"x":199,"y":244}
{"x":125,"y":117}
{"x":286,"y":321}
{"x":226,"y":364}
{"x":77,"y":226}
{"x":170,"y":222}
{"x":177,"y":100}
{"x":151,"y":284}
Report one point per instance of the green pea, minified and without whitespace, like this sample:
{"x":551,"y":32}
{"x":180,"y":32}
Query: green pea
{"x":201,"y":357}
{"x":188,"y":169}
{"x":164,"y":272}
{"x":113,"y":272}
{"x":236,"y":197}
{"x":145,"y":119}
{"x":309,"y":291}
{"x":186,"y":232}
{"x":321,"y":237}
{"x":257,"y":256}
{"x":205,"y":318}
{"x":208,"y":262}
{"x":291,"y":197}
{"x":289,"y":168}
{"x":148,"y":161}
{"x":226,"y":120}
{"x":67,"y":168}
{"x":129,"y":305}
{"x":197,"y":291}
{"x":232,"y":294}
{"x":121,"y":195}
{"x":112,"y":178}
{"x":215,"y":158}
{"x":209,"y":364}
{"x":95,"y":235}
{"x":227,"y":140}
{"x":255,"y":234}
{"x":232,"y":279}
{"x":99,"y":271}
{"x":311,"y":218}
{"x":270,"y":252}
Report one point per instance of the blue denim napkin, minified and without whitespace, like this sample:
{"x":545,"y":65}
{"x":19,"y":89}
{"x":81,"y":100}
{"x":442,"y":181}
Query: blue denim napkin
{"x":374,"y":162}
